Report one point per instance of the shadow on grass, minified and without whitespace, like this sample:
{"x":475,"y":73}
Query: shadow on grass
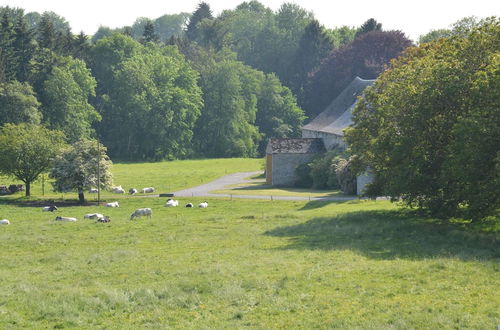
{"x":263,"y":186}
{"x":317,"y":204}
{"x":394,"y":234}
{"x":38,"y":202}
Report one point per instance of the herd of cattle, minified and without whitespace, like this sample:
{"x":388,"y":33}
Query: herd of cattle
{"x":143,"y":212}
{"x":131,"y":191}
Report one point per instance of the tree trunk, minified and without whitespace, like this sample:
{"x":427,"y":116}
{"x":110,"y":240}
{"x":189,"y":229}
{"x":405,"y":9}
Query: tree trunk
{"x":81,"y":197}
{"x":28,"y":188}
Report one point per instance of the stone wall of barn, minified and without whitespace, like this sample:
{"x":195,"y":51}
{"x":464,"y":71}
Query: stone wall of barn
{"x":283,"y":167}
{"x":330,"y":140}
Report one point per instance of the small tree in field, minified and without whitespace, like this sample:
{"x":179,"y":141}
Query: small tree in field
{"x":26,"y":151}
{"x":78,"y":166}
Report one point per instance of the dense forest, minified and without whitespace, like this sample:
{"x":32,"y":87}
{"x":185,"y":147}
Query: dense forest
{"x":184,"y":85}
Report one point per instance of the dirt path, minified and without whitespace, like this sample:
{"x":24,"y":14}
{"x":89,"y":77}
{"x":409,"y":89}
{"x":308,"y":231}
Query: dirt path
{"x":238,"y":178}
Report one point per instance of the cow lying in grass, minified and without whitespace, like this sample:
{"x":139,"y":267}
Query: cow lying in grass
{"x":112,"y":204}
{"x":141,"y":213}
{"x":118,"y":190}
{"x":4,"y":222}
{"x":147,"y":190}
{"x":203,"y":205}
{"x":171,"y":203}
{"x":51,"y":208}
{"x":93,"y":216}
{"x":104,"y":219}
{"x":67,"y":219}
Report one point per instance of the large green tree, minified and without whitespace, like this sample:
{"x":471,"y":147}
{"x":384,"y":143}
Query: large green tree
{"x":26,"y":151}
{"x":226,"y":126}
{"x":66,"y":94}
{"x":278,"y":114}
{"x":152,"y":105}
{"x":18,"y":104}
{"x":81,"y":166}
{"x":429,"y":127}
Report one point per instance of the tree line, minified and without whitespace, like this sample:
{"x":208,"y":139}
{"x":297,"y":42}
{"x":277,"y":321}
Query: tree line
{"x":185,"y":85}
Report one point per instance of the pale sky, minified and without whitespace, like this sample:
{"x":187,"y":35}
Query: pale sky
{"x":412,"y":17}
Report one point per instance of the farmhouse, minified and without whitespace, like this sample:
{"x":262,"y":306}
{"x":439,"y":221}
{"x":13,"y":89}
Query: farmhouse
{"x":323,"y":133}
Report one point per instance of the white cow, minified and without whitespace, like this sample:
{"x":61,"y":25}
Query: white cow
{"x":203,"y":205}
{"x":93,"y":190}
{"x":104,"y":219}
{"x":51,"y":208}
{"x":171,"y":203}
{"x":4,"y":222}
{"x":93,"y":216}
{"x":112,"y":204}
{"x":118,"y":190}
{"x":147,"y":190}
{"x":132,"y":191}
{"x":67,"y":219}
{"x":141,"y":213}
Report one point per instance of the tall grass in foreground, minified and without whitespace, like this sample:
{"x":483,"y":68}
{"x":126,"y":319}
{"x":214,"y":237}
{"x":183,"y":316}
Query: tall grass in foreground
{"x":246,"y":263}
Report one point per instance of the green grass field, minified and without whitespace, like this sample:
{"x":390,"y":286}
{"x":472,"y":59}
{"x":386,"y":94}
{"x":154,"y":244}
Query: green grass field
{"x":165,"y":176}
{"x":245,"y":263}
{"x":258,"y":186}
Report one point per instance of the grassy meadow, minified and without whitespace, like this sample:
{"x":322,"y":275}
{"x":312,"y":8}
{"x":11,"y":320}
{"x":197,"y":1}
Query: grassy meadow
{"x":165,"y":176}
{"x":244,"y":264}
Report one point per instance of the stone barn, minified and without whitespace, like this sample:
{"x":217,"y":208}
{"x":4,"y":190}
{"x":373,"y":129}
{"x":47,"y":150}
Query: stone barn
{"x":327,"y":127}
{"x":284,"y":155}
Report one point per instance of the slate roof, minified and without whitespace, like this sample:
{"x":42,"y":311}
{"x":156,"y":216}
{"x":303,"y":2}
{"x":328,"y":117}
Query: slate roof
{"x":295,"y":146}
{"x":337,"y":116}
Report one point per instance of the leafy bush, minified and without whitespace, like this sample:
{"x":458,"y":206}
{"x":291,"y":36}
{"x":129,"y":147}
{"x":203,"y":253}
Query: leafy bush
{"x":320,"y":173}
{"x":345,"y":177}
{"x":304,"y":179}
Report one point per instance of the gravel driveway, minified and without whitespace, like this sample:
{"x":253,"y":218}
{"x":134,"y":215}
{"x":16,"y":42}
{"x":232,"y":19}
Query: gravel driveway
{"x":242,"y":177}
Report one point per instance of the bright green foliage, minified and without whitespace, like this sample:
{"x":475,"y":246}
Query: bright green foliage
{"x":82,"y":166}
{"x":433,"y":35}
{"x":18,"y":104}
{"x":278,"y":114}
{"x":26,"y":151}
{"x":107,"y":55}
{"x":66,"y":94}
{"x":226,"y":126}
{"x":155,"y":98}
{"x":429,"y":127}
{"x":341,"y":36}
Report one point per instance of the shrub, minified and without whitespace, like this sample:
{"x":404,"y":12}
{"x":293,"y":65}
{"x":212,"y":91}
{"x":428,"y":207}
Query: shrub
{"x":345,"y":177}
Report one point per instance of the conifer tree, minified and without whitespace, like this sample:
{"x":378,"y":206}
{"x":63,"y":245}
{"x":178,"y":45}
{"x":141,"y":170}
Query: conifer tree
{"x":149,"y":34}
{"x":203,"y":11}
